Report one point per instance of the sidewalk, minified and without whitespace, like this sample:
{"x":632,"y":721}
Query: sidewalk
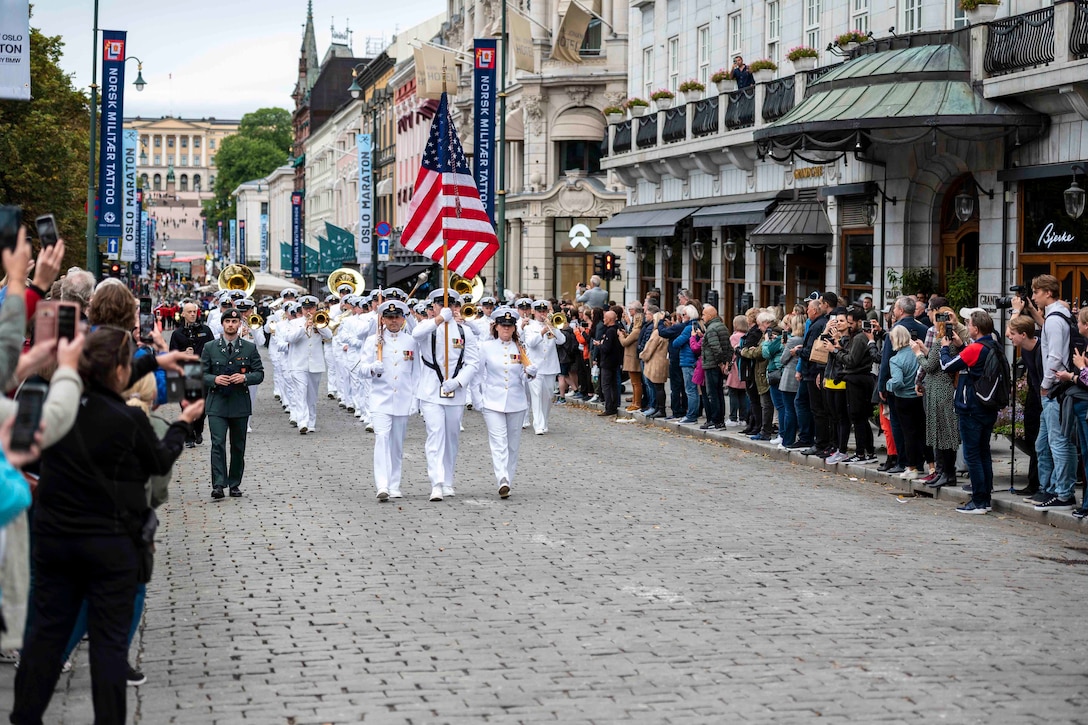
{"x":1003,"y":501}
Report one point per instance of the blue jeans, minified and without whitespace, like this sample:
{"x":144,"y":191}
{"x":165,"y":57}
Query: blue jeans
{"x":80,"y":628}
{"x":806,"y":426}
{"x":975,"y":431}
{"x":692,"y":391}
{"x":1057,"y":454}
{"x":787,"y":416}
{"x":649,"y":400}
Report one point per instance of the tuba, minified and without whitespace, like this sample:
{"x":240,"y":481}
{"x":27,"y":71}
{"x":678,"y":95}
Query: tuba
{"x":346,"y":275}
{"x":237,"y":277}
{"x":464,"y":286}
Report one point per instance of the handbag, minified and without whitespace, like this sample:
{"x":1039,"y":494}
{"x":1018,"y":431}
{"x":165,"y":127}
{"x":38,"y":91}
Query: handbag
{"x":774,"y":377}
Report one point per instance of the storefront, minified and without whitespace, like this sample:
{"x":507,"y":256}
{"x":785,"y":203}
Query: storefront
{"x":575,"y":245}
{"x":1052,"y":242}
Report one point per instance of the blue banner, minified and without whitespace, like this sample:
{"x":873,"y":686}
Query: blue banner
{"x":363,"y":248}
{"x":232,"y":241}
{"x":241,"y":241}
{"x":219,"y":240}
{"x":141,"y":253}
{"x":110,"y":186}
{"x":130,"y":220}
{"x":484,"y":122}
{"x":296,"y":234}
{"x":264,"y":242}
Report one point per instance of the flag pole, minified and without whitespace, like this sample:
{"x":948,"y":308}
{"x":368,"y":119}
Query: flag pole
{"x":500,"y":213}
{"x":445,"y":240}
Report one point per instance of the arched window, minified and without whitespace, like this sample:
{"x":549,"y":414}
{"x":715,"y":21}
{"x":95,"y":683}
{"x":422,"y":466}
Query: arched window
{"x":184,"y":182}
{"x":143,"y":181}
{"x":158,"y":182}
{"x":196,"y":182}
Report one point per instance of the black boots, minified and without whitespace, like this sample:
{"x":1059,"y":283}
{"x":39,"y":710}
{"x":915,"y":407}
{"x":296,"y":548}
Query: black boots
{"x":889,"y":463}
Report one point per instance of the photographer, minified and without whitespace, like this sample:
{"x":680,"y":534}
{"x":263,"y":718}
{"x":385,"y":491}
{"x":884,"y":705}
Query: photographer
{"x":1021,"y":333}
{"x":834,"y":385}
{"x":857,"y":360}
{"x":762,"y":405}
{"x":594,"y":297}
{"x":937,"y":388}
{"x":741,"y":73}
{"x":191,"y":337}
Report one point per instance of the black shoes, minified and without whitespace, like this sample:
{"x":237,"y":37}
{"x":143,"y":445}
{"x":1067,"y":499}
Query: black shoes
{"x":234,"y":493}
{"x":190,"y":444}
{"x":810,"y":451}
{"x":135,"y":678}
{"x":217,"y":493}
{"x":1026,"y":491}
{"x":200,"y":440}
{"x":888,"y":464}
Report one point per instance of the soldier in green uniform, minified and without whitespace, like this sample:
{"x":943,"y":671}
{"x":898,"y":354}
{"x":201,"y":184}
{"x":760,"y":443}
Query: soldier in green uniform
{"x":230,"y":365}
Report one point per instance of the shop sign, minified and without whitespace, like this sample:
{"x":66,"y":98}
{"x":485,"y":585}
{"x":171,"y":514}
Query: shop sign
{"x":808,"y":172}
{"x":579,"y":236}
{"x":988,"y":301}
{"x":1047,"y":228}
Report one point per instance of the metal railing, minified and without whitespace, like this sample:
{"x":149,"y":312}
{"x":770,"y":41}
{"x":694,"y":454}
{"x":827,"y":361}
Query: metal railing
{"x":779,"y":98}
{"x":741,"y":111}
{"x":647,"y":131}
{"x":1022,"y":41}
{"x":1078,"y":34}
{"x":676,"y":125}
{"x":621,"y":142}
{"x":705,"y":119}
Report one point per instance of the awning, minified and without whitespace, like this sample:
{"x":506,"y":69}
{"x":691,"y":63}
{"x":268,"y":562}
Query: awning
{"x":727,"y":215}
{"x":895,"y":94}
{"x":578,"y":124}
{"x":515,"y":125}
{"x":796,"y":223}
{"x":384,"y":187}
{"x":655,"y":223}
{"x":398,"y":272}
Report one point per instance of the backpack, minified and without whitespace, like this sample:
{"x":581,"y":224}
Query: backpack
{"x":1077,"y":341}
{"x":992,"y":384}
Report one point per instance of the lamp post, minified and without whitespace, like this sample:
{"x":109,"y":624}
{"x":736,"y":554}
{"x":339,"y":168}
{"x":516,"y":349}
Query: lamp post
{"x":1074,"y":195}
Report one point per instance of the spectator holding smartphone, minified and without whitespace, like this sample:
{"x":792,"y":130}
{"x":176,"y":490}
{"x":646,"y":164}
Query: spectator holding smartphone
{"x":741,"y":73}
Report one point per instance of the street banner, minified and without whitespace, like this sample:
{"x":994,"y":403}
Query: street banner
{"x":521,"y":40}
{"x":138,"y":263}
{"x":363,"y":247}
{"x":430,"y":79}
{"x":15,"y":50}
{"x":572,"y":31}
{"x":243,"y":253}
{"x":285,"y":256}
{"x":131,"y":216}
{"x":264,"y":242}
{"x":296,"y":234}
{"x":219,"y":239}
{"x":483,"y":138}
{"x":232,"y":241}
{"x":110,"y":192}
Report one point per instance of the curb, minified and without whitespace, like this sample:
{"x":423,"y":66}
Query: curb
{"x":1002,"y":501}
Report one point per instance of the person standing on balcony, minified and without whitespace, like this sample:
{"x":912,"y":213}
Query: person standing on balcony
{"x":741,"y":74}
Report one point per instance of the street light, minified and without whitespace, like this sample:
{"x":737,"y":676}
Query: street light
{"x":1074,"y":195}
{"x":139,"y":82}
{"x":731,"y":251}
{"x":965,"y":202}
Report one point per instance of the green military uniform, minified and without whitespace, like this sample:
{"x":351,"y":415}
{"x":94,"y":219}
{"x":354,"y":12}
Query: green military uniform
{"x":228,"y":407}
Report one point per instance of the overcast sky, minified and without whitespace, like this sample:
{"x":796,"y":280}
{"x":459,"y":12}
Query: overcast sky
{"x":218,"y":58}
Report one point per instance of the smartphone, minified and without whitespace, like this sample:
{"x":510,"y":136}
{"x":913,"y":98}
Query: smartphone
{"x":194,"y":381}
{"x":943,"y":317}
{"x":67,"y":319}
{"x":47,"y":230}
{"x":11,"y":218}
{"x":175,"y":387}
{"x":866,"y":325}
{"x":29,"y":416}
{"x":147,"y":319}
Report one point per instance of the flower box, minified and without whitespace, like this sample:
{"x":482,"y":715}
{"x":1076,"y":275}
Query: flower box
{"x":764,"y":75}
{"x":664,"y":103}
{"x":803,"y":63}
{"x":727,"y":85}
{"x":614,"y":117}
{"x":982,"y":13}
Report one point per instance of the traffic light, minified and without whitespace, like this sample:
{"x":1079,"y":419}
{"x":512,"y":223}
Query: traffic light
{"x":115,"y":269}
{"x":598,"y":265}
{"x":609,"y":266}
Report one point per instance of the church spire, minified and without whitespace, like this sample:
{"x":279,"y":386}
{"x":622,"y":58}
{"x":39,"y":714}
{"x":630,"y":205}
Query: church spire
{"x":309,"y":61}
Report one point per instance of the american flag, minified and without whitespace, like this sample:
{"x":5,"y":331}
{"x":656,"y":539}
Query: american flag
{"x":446,"y":206}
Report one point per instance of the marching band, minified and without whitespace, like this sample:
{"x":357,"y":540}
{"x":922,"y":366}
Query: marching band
{"x":389,"y":357}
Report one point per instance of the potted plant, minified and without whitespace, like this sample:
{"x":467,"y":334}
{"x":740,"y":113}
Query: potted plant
{"x":763,"y":69}
{"x":802,"y":57}
{"x":663,"y":97}
{"x":850,"y":39}
{"x":723,"y":79}
{"x":980,"y":11}
{"x":638,"y":106}
{"x":614,"y":114}
{"x":692,"y":90}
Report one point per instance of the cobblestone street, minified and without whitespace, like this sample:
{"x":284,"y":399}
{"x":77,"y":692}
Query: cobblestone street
{"x":633,"y":576}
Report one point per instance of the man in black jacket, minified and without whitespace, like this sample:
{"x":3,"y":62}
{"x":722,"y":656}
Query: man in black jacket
{"x":191,"y":337}
{"x":611,"y":360}
{"x":677,"y":393}
{"x":812,"y":378}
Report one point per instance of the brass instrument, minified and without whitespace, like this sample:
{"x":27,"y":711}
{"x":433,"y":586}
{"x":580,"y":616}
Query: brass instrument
{"x":558,"y":321}
{"x":321,"y":318}
{"x":465,"y":286}
{"x":470,"y":312}
{"x":255,"y":321}
{"x":346,"y":275}
{"x":237,"y":277}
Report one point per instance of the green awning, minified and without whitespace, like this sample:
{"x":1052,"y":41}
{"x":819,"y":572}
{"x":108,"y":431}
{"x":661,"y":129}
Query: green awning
{"x":895,"y":96}
{"x":298,"y":161}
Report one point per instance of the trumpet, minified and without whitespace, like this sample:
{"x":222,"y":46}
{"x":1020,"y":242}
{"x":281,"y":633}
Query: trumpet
{"x":255,"y":321}
{"x":321,"y":318}
{"x":558,"y":321}
{"x":470,"y":312}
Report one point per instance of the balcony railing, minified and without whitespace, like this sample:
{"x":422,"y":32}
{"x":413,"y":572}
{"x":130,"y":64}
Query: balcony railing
{"x":622,"y":140}
{"x":779,"y":99}
{"x":1022,"y":41}
{"x":675,"y":128}
{"x":741,"y":111}
{"x":647,"y":131}
{"x":1078,"y":33}
{"x":705,"y":119}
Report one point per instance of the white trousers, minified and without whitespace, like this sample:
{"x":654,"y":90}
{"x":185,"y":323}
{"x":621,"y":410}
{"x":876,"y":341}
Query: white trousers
{"x":540,"y":397}
{"x":277,"y":378}
{"x":330,"y":366}
{"x":306,"y":385}
{"x":290,"y":393}
{"x":443,"y":424}
{"x":355,"y":387}
{"x":362,"y":408}
{"x":389,"y":433}
{"x":504,"y":434}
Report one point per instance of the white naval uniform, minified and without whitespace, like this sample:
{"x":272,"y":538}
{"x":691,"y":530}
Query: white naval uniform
{"x":504,"y":404}
{"x":353,"y":374}
{"x":256,"y":336}
{"x":442,"y":416}
{"x":392,"y":402}
{"x":542,"y":352}
{"x":215,"y":322}
{"x":305,"y":363}
{"x":343,"y":363}
{"x":331,"y":379}
{"x":366,"y":328}
{"x":482,"y":327}
{"x":275,"y":354}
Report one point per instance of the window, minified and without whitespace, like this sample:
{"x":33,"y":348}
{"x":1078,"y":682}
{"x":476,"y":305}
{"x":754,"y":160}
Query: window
{"x":158,"y":142}
{"x":196,"y":142}
{"x":211,"y":143}
{"x":772,"y":288}
{"x":648,"y":71}
{"x":169,"y":142}
{"x":736,"y":37}
{"x":912,"y":16}
{"x":158,"y":160}
{"x":774,"y":31}
{"x":703,"y":45}
{"x":591,"y":43}
{"x":859,"y":15}
{"x":734,"y":272}
{"x":211,"y":160}
{"x":580,"y":155}
{"x":959,"y":18}
{"x":674,"y":63}
{"x":184,"y":182}
{"x":196,"y":182}
{"x":143,"y":181}
{"x":184,"y":161}
{"x":185,"y":142}
{"x":158,"y":182}
{"x":812,"y":23}
{"x":857,"y":263}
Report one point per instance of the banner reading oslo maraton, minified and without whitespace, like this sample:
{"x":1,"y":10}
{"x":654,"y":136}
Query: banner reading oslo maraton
{"x":131,"y":213}
{"x":364,"y":247}
{"x":15,"y":50}
{"x":110,"y":186}
{"x":484,"y":121}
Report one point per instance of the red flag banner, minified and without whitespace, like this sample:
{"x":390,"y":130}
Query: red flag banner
{"x":446,"y":206}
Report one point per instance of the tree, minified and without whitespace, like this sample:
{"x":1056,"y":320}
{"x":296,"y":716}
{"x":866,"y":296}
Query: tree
{"x":262,"y":144}
{"x":44,"y":147}
{"x":270,"y":124}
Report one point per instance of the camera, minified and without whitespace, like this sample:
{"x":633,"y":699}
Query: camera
{"x":1018,"y":290}
{"x":943,"y":317}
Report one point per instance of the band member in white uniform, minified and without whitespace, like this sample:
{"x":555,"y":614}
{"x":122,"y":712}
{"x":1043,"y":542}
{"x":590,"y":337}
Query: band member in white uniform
{"x":306,"y":362}
{"x":366,"y":326}
{"x":482,"y":327}
{"x":524,"y":306}
{"x":292,"y":318}
{"x":541,"y":340}
{"x":504,"y":405}
{"x":214,"y":316}
{"x":332,"y":308}
{"x":339,"y":342}
{"x":351,"y":345}
{"x":255,"y":335}
{"x":391,"y":361}
{"x":442,"y":395}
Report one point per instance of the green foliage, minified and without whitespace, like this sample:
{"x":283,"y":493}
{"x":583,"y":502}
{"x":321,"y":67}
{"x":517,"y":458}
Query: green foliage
{"x":44,"y":148}
{"x":973,"y":4}
{"x":262,"y":144}
{"x":911,"y":280}
{"x":962,"y":288}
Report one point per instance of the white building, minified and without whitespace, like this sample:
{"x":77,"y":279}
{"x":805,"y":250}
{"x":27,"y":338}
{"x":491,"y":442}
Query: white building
{"x":251,"y":203}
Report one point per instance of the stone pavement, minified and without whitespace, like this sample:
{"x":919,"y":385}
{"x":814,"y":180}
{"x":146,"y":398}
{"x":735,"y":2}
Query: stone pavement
{"x":633,"y":576}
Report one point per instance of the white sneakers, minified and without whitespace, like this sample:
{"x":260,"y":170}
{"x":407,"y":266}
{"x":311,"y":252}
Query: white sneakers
{"x":383,"y":495}
{"x":436,"y":494}
{"x":448,"y":491}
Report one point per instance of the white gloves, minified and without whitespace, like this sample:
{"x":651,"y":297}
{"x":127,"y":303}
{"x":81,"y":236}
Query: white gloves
{"x":530,"y":371}
{"x":377,"y":368}
{"x":446,"y":314}
{"x":449,"y":386}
